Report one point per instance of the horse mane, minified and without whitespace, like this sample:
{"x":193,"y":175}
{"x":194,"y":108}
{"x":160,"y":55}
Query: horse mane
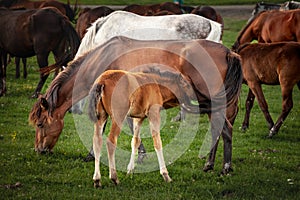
{"x":165,"y":74}
{"x":89,"y":36}
{"x":52,"y":93}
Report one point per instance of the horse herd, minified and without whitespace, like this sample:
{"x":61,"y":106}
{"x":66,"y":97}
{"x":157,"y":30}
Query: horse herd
{"x":134,"y":62}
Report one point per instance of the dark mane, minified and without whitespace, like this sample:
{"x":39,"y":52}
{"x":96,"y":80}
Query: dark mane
{"x":52,"y":93}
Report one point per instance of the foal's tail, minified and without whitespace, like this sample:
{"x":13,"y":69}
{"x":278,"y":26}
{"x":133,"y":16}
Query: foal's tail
{"x":94,"y":98}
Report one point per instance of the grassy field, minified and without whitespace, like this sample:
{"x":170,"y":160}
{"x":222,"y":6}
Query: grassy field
{"x":263,"y":168}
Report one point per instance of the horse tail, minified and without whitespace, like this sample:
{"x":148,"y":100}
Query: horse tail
{"x":73,"y":41}
{"x":94,"y":98}
{"x":69,"y":12}
{"x":234,"y":77}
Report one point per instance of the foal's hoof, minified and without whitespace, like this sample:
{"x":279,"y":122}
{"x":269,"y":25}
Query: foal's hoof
{"x":115,"y":181}
{"x":208,"y":167}
{"x":97,"y":184}
{"x":167,"y":177}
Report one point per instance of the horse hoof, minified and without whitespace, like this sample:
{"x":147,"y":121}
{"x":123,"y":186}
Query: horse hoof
{"x":141,"y":157}
{"x":166,"y":178}
{"x":89,"y":158}
{"x":272,"y":133}
{"x":244,"y":128}
{"x":97,"y":184}
{"x":208,"y":167}
{"x":115,"y":181}
{"x":226,"y":171}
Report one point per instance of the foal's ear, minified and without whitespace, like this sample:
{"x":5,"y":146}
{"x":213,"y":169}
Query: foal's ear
{"x":44,"y":104}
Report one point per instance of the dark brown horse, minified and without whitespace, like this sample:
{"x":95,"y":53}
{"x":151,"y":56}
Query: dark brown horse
{"x":271,"y":26}
{"x":65,"y":9}
{"x":88,"y":16}
{"x":270,"y":64}
{"x":26,"y":33}
{"x":153,"y":9}
{"x":140,"y":95}
{"x":214,"y":71}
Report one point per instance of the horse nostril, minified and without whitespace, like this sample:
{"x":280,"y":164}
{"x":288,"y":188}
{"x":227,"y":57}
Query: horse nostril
{"x":40,"y":125}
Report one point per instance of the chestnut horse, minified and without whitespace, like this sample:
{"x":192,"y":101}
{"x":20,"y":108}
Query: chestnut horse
{"x":270,"y":64}
{"x":88,"y":16}
{"x":271,"y":26}
{"x":26,"y":33}
{"x":140,"y":95}
{"x":214,"y":71}
{"x":153,"y":9}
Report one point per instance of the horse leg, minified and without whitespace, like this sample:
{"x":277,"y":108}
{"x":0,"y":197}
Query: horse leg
{"x":24,"y":61}
{"x":141,"y":149}
{"x":248,"y":105}
{"x":17,"y":62}
{"x":135,"y":142}
{"x":154,"y":120}
{"x":215,"y":132}
{"x":287,"y":105}
{"x":180,"y":116}
{"x":257,"y":90}
{"x":111,"y":144}
{"x":3,"y":74}
{"x":43,"y":62}
{"x":97,"y":145}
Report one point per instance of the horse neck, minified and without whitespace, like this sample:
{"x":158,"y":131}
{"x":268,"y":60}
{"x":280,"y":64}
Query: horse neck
{"x":246,"y":35}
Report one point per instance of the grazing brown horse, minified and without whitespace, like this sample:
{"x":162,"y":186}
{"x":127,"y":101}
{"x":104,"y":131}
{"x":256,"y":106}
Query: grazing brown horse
{"x":214,"y":70}
{"x":26,"y":33}
{"x":118,"y":94}
{"x":88,"y":16}
{"x":270,"y":64}
{"x":271,"y":26}
{"x":65,"y":9}
{"x":154,"y":9}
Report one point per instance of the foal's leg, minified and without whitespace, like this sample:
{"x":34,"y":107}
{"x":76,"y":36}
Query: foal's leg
{"x":111,"y":144}
{"x":257,"y":90}
{"x":154,"y":120}
{"x":141,"y":149}
{"x":97,"y":145}
{"x":135,"y":142}
{"x":287,"y":105}
{"x":249,"y":105}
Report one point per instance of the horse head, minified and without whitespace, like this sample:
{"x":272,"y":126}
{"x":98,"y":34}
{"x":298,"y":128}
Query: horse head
{"x":48,"y":126}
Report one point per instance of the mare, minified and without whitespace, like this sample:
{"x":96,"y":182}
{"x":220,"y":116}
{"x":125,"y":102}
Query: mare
{"x":182,"y":27}
{"x":150,"y":10}
{"x":214,"y":71}
{"x":209,"y":13}
{"x":271,"y":26}
{"x":88,"y":16}
{"x":262,"y":6}
{"x":65,"y":9}
{"x":270,"y":64}
{"x":26,"y":33}
{"x":290,"y":5}
{"x":139,"y":95}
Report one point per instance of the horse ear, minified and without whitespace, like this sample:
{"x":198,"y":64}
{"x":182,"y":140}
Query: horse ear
{"x":44,"y":104}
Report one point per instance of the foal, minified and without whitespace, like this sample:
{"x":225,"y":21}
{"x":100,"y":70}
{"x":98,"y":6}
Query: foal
{"x":118,"y":94}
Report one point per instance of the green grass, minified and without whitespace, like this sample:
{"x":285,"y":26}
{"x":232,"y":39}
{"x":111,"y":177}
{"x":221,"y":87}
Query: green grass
{"x":263,"y":168}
